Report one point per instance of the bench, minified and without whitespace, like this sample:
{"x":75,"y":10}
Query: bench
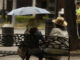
{"x":60,"y":48}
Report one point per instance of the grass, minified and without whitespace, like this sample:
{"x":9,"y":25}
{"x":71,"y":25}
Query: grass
{"x":22,"y":21}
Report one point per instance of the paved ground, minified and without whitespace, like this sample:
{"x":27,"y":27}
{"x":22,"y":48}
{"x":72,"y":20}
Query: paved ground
{"x":16,"y":57}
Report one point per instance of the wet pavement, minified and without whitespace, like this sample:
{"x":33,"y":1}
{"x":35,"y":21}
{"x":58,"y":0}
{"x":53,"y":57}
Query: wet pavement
{"x":16,"y":57}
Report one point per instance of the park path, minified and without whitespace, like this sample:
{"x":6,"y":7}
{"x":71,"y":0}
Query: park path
{"x":16,"y":57}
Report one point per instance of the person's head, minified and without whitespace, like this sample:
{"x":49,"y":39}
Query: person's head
{"x":33,"y":30}
{"x":60,"y":21}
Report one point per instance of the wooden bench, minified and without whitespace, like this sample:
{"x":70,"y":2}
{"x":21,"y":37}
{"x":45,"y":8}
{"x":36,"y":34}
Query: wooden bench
{"x":48,"y":52}
{"x":61,"y":49}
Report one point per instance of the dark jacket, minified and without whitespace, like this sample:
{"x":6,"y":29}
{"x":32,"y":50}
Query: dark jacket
{"x":59,"y":37}
{"x":32,"y":40}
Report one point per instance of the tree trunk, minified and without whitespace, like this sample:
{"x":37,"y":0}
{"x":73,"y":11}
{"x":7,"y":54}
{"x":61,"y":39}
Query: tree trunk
{"x":70,"y":16}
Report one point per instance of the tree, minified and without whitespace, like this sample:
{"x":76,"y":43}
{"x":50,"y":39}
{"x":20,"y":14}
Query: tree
{"x":70,"y":16}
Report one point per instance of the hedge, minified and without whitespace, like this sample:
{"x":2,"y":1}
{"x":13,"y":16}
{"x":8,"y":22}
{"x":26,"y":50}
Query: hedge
{"x":23,"y":19}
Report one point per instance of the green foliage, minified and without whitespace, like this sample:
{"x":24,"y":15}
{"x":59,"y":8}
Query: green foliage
{"x":23,"y":19}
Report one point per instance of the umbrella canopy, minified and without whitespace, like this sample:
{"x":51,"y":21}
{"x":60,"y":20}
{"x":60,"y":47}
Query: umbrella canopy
{"x":28,"y":11}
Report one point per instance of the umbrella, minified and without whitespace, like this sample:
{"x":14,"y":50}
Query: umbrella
{"x":28,"y":11}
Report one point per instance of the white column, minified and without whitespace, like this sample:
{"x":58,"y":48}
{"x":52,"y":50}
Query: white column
{"x":5,"y":4}
{"x":1,"y":4}
{"x":14,"y":7}
{"x":14,"y":4}
{"x":34,"y":3}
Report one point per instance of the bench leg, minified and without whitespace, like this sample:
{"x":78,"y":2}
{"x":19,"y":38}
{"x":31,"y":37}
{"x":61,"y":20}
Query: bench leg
{"x":23,"y":59}
{"x":27,"y":57}
{"x":40,"y":58}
